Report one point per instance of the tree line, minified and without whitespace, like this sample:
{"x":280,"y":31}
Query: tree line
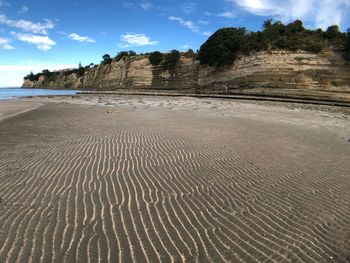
{"x":223,"y":47}
{"x":225,"y":44}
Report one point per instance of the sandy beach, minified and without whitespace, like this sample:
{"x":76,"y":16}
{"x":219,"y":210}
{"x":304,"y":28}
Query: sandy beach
{"x":92,"y":178}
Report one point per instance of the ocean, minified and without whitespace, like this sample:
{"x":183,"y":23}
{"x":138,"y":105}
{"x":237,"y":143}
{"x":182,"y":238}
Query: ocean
{"x":12,"y":93}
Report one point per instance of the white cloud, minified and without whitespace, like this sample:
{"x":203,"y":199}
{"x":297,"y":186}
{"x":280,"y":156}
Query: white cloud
{"x":136,"y":40}
{"x":227,"y":14}
{"x":146,"y":6}
{"x":190,"y":25}
{"x":5,"y":44}
{"x":207,"y":33}
{"x":26,"y":25}
{"x":186,"y":23}
{"x":320,"y":13}
{"x":76,"y":37}
{"x":24,"y":9}
{"x":42,"y":42}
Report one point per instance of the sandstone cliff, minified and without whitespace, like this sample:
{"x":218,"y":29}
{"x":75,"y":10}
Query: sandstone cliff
{"x":275,"y":72}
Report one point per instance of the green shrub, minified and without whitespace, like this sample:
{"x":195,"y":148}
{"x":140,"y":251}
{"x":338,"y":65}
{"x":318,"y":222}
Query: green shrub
{"x":80,"y":71}
{"x":333,"y":32}
{"x":254,"y":42}
{"x":190,"y":54}
{"x":121,"y":55}
{"x":106,"y":59}
{"x":155,"y":58}
{"x":32,"y":77}
{"x":295,"y":27}
{"x":132,"y":53}
{"x":281,"y":43}
{"x":46,"y":72}
{"x":221,"y":47}
{"x":171,"y":59}
{"x":314,"y":47}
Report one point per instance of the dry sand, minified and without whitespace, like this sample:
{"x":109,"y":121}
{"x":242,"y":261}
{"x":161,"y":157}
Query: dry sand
{"x":122,"y":179}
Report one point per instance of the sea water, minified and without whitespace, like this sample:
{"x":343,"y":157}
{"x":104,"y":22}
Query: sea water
{"x":11,"y":93}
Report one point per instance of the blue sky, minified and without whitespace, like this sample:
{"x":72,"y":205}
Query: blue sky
{"x":37,"y":35}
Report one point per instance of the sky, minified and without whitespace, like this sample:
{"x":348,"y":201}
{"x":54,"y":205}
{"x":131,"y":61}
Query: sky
{"x":37,"y":35}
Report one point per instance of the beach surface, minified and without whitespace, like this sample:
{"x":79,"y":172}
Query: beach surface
{"x":92,"y":178}
{"x":10,"y":108}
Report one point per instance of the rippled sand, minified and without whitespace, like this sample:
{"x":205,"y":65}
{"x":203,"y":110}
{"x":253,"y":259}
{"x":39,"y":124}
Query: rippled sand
{"x":132,"y":179}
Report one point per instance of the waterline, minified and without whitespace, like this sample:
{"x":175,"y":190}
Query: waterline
{"x":12,"y":93}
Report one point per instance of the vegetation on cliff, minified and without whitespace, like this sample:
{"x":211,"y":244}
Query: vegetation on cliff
{"x":51,"y":76}
{"x":106,"y":59}
{"x":347,"y":45}
{"x":155,"y":58}
{"x":171,"y":59}
{"x":226,"y":44}
{"x":222,"y":47}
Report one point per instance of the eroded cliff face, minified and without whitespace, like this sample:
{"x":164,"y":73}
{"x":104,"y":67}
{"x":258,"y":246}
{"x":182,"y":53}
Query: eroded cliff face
{"x":259,"y":72}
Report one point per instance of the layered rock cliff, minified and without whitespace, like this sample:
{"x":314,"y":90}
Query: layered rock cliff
{"x":262,"y":72}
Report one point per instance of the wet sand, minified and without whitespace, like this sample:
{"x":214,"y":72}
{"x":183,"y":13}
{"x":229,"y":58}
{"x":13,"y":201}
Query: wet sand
{"x":133,"y":179}
{"x":10,"y":108}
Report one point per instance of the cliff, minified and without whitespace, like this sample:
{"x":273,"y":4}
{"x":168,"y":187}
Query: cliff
{"x":267,"y":72}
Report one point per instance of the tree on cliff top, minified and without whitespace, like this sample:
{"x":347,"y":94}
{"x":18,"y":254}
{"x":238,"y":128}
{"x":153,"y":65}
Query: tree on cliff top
{"x":106,"y":59}
{"x":32,"y":77}
{"x":221,"y":47}
{"x":225,"y":44}
{"x":267,"y":24}
{"x":132,"y":53}
{"x":171,"y":59}
{"x":190,"y":54}
{"x":333,"y":32}
{"x":155,"y":58}
{"x":295,"y":27}
{"x":46,"y":72}
{"x":125,"y":54}
{"x":121,"y":55}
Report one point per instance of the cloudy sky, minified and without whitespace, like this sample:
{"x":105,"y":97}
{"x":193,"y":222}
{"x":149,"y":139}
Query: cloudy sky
{"x":37,"y":35}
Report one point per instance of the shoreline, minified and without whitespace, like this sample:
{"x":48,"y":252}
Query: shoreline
{"x":317,"y":97}
{"x":292,"y":98}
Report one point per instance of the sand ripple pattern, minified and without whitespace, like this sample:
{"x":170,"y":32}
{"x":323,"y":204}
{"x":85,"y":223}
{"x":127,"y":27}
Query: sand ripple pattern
{"x":169,"y":186}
